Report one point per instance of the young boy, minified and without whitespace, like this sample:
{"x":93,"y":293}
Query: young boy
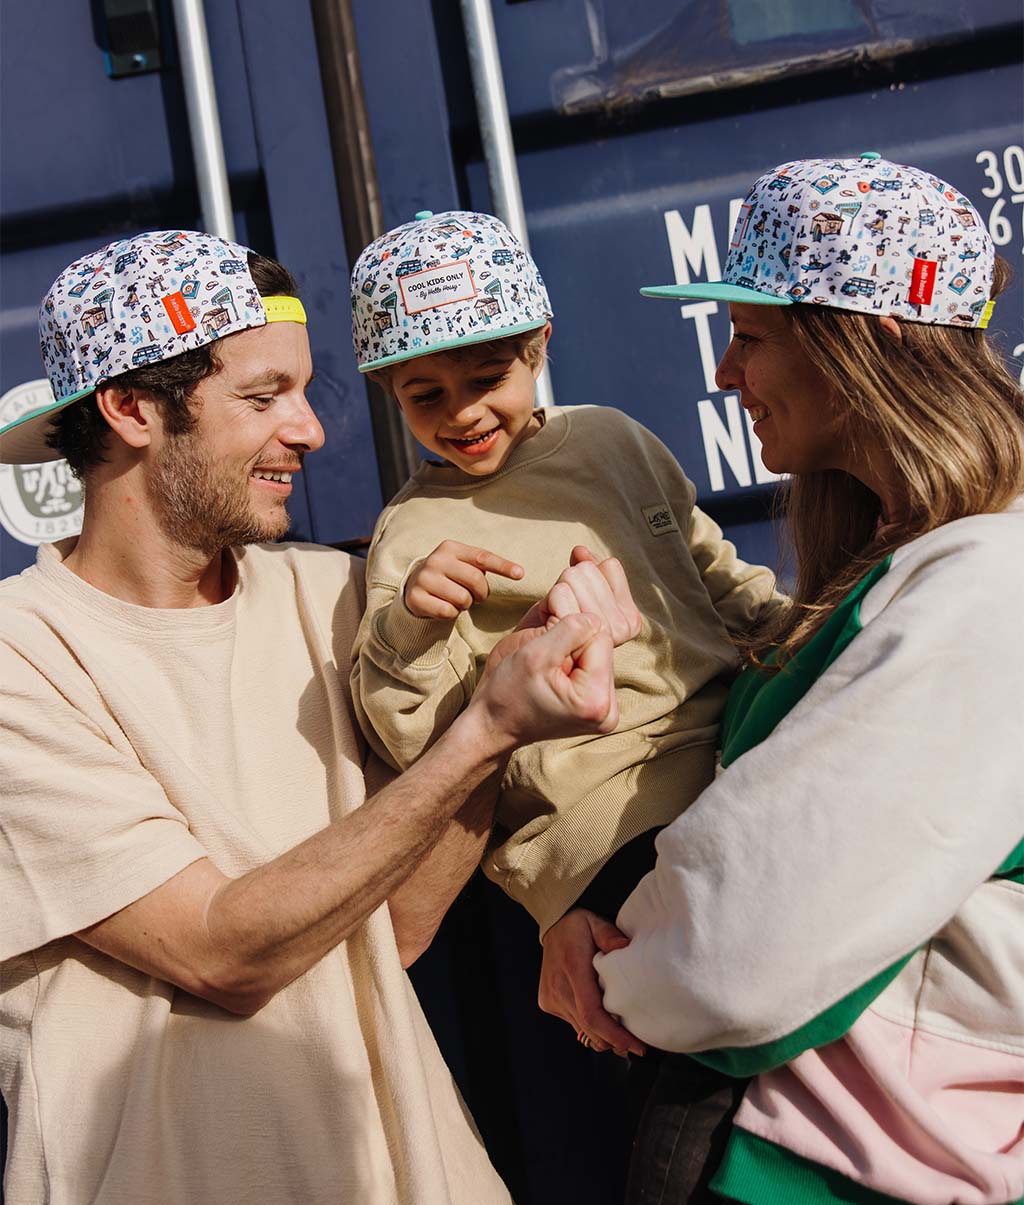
{"x":450,"y":314}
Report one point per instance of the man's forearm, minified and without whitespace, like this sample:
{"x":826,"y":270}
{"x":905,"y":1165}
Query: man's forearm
{"x":236,"y":942}
{"x":286,"y":915}
{"x":419,"y":904}
{"x":317,"y":894}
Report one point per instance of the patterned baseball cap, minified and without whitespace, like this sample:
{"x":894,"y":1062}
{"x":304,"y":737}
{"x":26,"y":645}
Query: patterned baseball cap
{"x":857,"y":234}
{"x":441,"y":281}
{"x":135,"y":302}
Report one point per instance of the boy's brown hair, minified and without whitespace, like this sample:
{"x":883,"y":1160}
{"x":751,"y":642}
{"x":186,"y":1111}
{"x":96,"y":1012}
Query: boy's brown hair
{"x":528,"y":346}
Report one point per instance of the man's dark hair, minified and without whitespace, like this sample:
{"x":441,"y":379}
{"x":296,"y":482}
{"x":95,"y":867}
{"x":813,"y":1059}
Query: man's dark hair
{"x":79,"y":432}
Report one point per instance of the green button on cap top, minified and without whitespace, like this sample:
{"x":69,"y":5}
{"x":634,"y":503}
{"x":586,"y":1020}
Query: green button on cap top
{"x":870,"y":155}
{"x":429,"y":213}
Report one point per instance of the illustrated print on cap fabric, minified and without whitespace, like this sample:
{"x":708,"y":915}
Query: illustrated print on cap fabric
{"x":858,"y":234}
{"x":442,"y":281}
{"x":141,"y":300}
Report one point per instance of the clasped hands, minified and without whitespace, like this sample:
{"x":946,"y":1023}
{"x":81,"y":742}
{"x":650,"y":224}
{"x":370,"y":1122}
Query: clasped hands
{"x":454,"y":577}
{"x":553,"y":675}
{"x":586,"y":613}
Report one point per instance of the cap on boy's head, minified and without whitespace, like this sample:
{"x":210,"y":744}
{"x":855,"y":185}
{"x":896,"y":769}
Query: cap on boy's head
{"x":441,"y":281}
{"x":857,"y":234}
{"x":135,"y":302}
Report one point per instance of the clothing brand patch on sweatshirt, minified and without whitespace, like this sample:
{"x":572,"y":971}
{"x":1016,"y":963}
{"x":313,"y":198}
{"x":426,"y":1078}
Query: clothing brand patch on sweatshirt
{"x":660,"y":519}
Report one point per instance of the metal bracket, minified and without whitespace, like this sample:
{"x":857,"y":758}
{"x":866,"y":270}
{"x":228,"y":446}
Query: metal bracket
{"x":130,"y":37}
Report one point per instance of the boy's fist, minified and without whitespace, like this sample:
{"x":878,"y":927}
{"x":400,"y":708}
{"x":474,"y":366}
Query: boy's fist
{"x":452,"y":578}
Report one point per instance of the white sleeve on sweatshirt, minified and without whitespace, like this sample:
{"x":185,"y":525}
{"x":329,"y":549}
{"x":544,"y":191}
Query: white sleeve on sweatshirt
{"x":854,"y":832}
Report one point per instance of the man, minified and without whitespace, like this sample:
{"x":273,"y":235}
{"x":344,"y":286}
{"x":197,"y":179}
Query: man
{"x":201,"y":989}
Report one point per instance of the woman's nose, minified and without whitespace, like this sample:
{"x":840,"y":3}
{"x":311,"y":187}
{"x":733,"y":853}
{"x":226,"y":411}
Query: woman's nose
{"x":728,"y":374}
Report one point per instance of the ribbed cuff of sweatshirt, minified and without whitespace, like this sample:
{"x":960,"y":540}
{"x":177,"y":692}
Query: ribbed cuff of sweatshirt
{"x":413,"y":640}
{"x":616,"y":879}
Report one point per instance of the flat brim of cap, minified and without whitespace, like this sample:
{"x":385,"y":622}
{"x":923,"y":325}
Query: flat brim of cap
{"x":485,"y":336}
{"x":717,"y":290}
{"x":24,"y":440}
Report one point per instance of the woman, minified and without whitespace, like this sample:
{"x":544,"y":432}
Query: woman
{"x":840,"y":916}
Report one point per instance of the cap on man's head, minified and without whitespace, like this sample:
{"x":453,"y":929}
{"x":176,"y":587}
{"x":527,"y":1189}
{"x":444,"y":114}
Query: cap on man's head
{"x":442,"y":281}
{"x":857,"y":234}
{"x":137,"y":301}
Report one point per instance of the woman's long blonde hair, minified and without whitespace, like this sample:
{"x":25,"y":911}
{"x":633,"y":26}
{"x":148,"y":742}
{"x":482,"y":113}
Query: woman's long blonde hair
{"x":943,"y":405}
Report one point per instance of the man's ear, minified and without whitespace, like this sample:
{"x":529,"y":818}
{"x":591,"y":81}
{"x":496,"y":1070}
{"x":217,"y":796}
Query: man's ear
{"x":891,"y":327}
{"x":132,"y":414}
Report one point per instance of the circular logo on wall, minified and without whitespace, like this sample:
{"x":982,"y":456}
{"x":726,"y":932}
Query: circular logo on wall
{"x":39,"y":503}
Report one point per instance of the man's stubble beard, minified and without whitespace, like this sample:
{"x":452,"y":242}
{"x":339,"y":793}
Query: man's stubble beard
{"x":202,"y":507}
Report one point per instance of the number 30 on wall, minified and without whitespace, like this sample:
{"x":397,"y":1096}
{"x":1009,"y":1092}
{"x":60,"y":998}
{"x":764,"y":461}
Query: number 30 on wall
{"x":1011,"y":180}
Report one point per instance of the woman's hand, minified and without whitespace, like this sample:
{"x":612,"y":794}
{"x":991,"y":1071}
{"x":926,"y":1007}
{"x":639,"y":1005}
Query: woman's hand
{"x":592,"y":587}
{"x":569,"y":987}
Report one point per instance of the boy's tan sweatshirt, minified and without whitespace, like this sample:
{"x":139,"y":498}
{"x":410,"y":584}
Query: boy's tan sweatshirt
{"x":591,"y":476}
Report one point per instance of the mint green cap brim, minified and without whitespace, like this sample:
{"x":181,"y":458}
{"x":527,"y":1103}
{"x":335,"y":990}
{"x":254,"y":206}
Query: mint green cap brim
{"x":24,"y":440}
{"x":485,"y":336}
{"x":717,"y":290}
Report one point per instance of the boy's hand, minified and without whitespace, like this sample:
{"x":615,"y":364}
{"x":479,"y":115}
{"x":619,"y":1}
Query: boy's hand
{"x":594,"y":587}
{"x":452,"y":578}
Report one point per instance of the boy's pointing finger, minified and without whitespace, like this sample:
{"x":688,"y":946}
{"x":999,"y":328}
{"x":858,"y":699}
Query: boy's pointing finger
{"x":490,"y":562}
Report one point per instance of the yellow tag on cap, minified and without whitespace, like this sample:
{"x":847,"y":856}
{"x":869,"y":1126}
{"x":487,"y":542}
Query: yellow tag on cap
{"x":986,"y":314}
{"x":284,"y":309}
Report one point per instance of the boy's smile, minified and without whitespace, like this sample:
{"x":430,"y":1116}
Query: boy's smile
{"x":470,"y":409}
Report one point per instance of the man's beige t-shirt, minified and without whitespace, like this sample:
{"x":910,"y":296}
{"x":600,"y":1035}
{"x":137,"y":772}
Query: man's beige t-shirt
{"x":134,"y":741}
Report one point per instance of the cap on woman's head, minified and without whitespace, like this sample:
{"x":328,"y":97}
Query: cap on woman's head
{"x":857,"y":234}
{"x":137,"y":301}
{"x":441,"y":281}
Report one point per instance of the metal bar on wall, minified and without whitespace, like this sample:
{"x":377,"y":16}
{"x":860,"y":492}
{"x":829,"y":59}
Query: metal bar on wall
{"x":203,"y":118}
{"x":355,"y":173}
{"x":496,"y":133}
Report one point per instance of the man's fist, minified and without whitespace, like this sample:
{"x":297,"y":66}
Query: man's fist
{"x":545,"y":683}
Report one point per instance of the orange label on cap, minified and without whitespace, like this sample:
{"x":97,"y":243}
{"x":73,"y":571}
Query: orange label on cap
{"x":179,"y":313}
{"x":922,"y":283}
